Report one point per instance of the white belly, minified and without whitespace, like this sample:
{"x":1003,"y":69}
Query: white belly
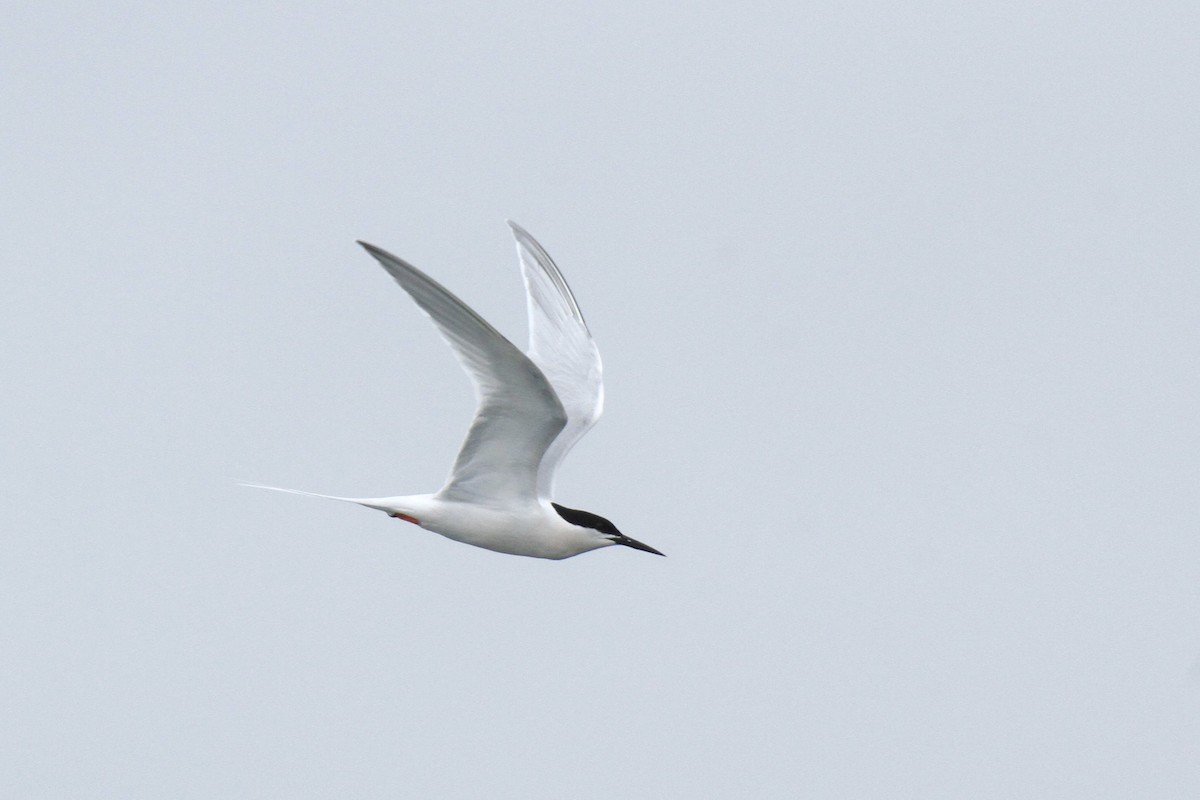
{"x":534,"y":530}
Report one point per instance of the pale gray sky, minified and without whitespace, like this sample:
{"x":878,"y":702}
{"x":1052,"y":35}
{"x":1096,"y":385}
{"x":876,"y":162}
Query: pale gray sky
{"x":899,"y":311}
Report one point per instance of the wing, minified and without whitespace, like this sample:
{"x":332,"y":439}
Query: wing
{"x":561,"y":345}
{"x":518,"y":415}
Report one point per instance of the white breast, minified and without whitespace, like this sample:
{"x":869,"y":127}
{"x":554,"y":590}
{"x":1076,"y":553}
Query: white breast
{"x":530,"y":530}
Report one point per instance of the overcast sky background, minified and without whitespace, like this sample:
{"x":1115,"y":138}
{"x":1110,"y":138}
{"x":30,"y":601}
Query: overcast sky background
{"x":899,"y":311}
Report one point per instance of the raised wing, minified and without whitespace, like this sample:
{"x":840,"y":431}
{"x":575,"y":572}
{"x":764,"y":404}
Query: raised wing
{"x":518,"y":416}
{"x":562,"y":347}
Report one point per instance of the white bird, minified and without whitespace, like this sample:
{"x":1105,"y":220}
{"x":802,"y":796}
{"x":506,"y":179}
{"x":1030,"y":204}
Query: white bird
{"x":532,"y":409}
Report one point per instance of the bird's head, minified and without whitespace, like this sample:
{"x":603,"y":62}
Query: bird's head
{"x":604,"y":529}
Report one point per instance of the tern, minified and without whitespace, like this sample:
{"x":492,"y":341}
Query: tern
{"x":532,"y":409}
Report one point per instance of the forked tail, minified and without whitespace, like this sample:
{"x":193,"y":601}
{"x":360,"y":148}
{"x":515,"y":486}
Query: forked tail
{"x":362,"y":501}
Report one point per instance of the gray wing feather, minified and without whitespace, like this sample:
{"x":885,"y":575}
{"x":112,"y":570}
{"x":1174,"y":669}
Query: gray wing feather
{"x":561,"y":345}
{"x":518,"y":416}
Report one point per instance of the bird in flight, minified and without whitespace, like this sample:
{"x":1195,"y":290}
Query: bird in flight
{"x":532,"y":409}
